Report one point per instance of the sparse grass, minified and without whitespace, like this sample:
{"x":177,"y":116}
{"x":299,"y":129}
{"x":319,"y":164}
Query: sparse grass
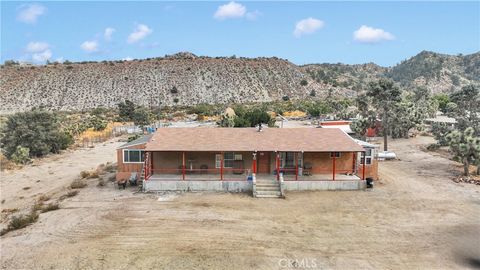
{"x":20,"y":221}
{"x":72,"y":193}
{"x":38,"y":206}
{"x":43,"y":198}
{"x":50,"y":207}
{"x":78,"y":184}
{"x":10,"y":210}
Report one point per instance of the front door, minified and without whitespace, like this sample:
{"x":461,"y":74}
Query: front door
{"x":263,"y":162}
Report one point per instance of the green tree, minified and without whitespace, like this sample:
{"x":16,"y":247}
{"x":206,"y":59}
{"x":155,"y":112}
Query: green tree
{"x":467,"y":109}
{"x":37,"y":130}
{"x":126,"y":110}
{"x":442,"y":100}
{"x":142,"y":117}
{"x":385,"y":94}
{"x":466,"y":148}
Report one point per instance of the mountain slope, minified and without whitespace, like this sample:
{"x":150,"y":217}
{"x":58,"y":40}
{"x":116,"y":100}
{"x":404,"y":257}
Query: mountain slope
{"x":185,"y":79}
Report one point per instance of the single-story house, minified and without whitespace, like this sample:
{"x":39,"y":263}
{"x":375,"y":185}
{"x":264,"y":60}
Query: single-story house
{"x":234,"y":159}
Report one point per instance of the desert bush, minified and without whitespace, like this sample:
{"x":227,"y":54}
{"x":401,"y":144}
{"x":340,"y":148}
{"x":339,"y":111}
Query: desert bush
{"x":176,"y":100}
{"x":50,"y":207}
{"x":174,"y":90}
{"x":20,"y":221}
{"x":21,"y":155}
{"x":43,"y":197}
{"x":37,"y":130}
{"x":84,"y":174}
{"x":89,"y":174}
{"x":303,"y":82}
{"x":110,"y":167}
{"x":78,"y":184}
{"x":72,"y":193}
{"x":285,"y":98}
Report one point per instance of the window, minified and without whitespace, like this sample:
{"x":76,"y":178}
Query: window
{"x":337,"y":154}
{"x":228,"y":158}
{"x":368,"y":154}
{"x":287,"y":159}
{"x":133,"y":156}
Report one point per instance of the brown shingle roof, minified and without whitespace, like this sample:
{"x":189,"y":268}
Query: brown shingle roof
{"x":249,"y":139}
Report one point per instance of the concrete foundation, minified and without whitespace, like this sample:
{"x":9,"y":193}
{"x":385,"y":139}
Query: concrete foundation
{"x":225,"y":186}
{"x":324,"y":185}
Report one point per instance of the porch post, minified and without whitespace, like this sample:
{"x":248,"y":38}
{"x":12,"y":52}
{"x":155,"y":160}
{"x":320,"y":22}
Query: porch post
{"x":221,"y":166}
{"x":183,"y":165}
{"x":296,"y":165}
{"x":150,"y":158}
{"x":277,"y":164}
{"x":363,"y":169}
{"x":333,"y":161}
{"x":353,"y":163}
{"x":254,"y":163}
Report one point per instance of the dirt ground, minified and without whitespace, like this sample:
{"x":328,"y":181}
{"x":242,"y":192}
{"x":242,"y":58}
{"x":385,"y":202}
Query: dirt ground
{"x":414,"y":218}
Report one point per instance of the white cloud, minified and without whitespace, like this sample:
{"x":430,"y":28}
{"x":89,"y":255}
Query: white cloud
{"x":36,"y":47}
{"x":107,"y":34}
{"x":367,"y":34}
{"x":140,"y":32}
{"x":42,"y":56}
{"x":128,"y":58}
{"x":307,"y":26}
{"x":230,"y":10}
{"x":30,"y":13}
{"x":89,"y":46}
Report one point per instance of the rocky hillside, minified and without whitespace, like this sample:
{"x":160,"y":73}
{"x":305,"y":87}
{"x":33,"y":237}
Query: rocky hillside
{"x":185,"y":79}
{"x":437,"y":72}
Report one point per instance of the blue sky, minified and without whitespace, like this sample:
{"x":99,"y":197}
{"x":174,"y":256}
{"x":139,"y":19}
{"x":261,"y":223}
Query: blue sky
{"x":302,"y":32}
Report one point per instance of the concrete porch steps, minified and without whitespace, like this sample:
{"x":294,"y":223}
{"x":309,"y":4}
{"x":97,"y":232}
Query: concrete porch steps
{"x":267,"y":189}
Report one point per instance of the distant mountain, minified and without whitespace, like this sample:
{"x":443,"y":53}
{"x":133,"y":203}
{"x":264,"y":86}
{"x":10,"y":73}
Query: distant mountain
{"x":437,"y":72}
{"x":186,"y":79}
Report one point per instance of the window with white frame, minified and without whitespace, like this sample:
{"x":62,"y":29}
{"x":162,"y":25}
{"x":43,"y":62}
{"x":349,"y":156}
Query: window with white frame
{"x":133,"y":156}
{"x":336,"y":154}
{"x":228,"y":158}
{"x":367,"y":155}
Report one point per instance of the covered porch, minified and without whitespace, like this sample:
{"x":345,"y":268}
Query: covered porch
{"x":243,"y":166}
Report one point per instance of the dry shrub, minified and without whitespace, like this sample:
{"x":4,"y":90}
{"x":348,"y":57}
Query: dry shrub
{"x":50,"y":207}
{"x":72,"y":193}
{"x":10,"y":210}
{"x":38,"y":206}
{"x":89,"y":174}
{"x":43,"y":198}
{"x":78,"y":184}
{"x":101,"y":182}
{"x":26,"y":188}
{"x":6,"y":164}
{"x":20,"y":221}
{"x":84,"y":174}
{"x":110,"y":167}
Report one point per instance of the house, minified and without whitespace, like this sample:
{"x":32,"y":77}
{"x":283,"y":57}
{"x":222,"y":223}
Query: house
{"x":238,"y":159}
{"x":341,"y":124}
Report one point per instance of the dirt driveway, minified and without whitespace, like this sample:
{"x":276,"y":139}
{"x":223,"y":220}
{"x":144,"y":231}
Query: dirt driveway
{"x":415,"y":218}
